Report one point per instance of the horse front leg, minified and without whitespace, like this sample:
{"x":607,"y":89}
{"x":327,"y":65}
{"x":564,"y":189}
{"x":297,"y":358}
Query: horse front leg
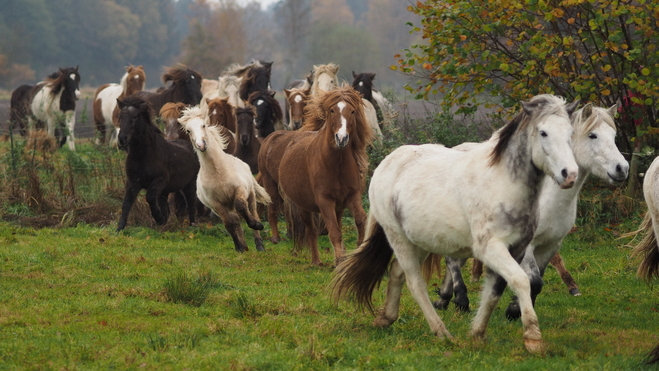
{"x":453,"y":285}
{"x":70,"y":125}
{"x":330,"y":216}
{"x":242,"y":207}
{"x":159,"y":209}
{"x":530,"y":266}
{"x":497,"y":258}
{"x":231,"y":222}
{"x":557,"y":262}
{"x":132,"y":190}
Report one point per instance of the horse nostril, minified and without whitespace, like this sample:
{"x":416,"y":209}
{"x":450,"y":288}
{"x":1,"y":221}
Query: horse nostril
{"x":618,"y":168}
{"x":564,"y":173}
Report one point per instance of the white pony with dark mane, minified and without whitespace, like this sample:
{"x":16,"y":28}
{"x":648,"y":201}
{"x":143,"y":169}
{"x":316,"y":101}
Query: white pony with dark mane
{"x":482,"y":203}
{"x":595,"y":151}
{"x":225,"y":183}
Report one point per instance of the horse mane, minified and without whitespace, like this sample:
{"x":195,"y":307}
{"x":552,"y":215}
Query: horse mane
{"x":247,"y":109}
{"x":178,"y":73}
{"x":201,"y":113}
{"x":145,"y":110}
{"x":226,"y":81}
{"x":267,"y":96}
{"x":598,"y":115}
{"x":56,"y":79}
{"x":171,"y":110}
{"x":236,"y":69}
{"x":315,"y":114}
{"x":548,"y":104}
{"x":223,"y":105}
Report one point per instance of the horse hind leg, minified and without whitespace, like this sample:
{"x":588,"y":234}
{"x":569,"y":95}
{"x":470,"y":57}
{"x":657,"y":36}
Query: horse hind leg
{"x":253,"y":208}
{"x":557,"y":262}
{"x":453,"y":285}
{"x":231,"y":222}
{"x":242,"y":207}
{"x":158,"y":205}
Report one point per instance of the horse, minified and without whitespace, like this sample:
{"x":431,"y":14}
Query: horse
{"x":170,"y":113}
{"x":324,"y":78}
{"x":269,"y":116}
{"x":227,"y":87}
{"x":595,"y":151}
{"x":225,"y":183}
{"x":320,"y":169}
{"x":154,"y":163}
{"x":363,"y":83}
{"x":647,"y":250}
{"x":255,"y":77}
{"x":105,"y":110}
{"x":432,"y":199}
{"x":185,"y":88}
{"x":48,"y":102}
{"x":247,"y":144}
{"x":222,"y":114}
{"x":296,"y":100}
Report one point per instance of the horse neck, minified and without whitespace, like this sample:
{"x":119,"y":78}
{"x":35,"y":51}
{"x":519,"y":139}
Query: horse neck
{"x":517,"y":162}
{"x":214,"y":157}
{"x":144,"y":142}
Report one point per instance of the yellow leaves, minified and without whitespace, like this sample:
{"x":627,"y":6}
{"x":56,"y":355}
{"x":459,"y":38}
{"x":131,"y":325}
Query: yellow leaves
{"x":606,"y":92}
{"x":571,"y":21}
{"x":427,"y":66}
{"x":606,"y":68}
{"x":645,"y":71}
{"x":463,"y":37}
{"x":558,"y":13}
{"x":504,"y":67}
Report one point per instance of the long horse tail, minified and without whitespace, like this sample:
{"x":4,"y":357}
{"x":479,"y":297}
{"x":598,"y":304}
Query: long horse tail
{"x":294,"y":224}
{"x":362,"y":270}
{"x":653,"y":356}
{"x":432,"y":265}
{"x":262,"y":196}
{"x":648,"y":251}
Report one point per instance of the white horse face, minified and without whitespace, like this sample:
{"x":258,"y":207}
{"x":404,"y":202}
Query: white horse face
{"x":595,"y":150}
{"x":326,"y":81}
{"x":196,"y":129}
{"x":551,"y":151}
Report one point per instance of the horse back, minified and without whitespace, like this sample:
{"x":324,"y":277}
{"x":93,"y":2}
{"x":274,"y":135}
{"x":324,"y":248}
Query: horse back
{"x":19,"y":104}
{"x":271,"y":152}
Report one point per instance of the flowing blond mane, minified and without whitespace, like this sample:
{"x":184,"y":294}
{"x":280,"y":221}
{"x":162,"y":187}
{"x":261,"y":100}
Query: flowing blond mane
{"x":214,"y":134}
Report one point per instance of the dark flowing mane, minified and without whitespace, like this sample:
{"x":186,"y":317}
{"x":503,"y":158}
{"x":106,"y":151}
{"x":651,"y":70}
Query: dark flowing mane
{"x":145,"y":111}
{"x":247,"y":109}
{"x":56,"y":80}
{"x":366,"y":90}
{"x":316,"y":110}
{"x":178,"y":74}
{"x":542,"y":105}
{"x":268,"y":96}
{"x":260,"y":71}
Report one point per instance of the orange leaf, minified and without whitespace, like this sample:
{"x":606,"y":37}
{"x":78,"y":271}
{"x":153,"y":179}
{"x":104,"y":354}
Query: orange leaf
{"x":463,"y":37}
{"x":570,"y":21}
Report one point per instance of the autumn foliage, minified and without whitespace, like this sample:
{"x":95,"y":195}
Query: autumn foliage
{"x":500,"y":52}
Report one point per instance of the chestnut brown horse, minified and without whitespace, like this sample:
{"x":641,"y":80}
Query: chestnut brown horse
{"x":247,"y":144}
{"x":105,"y":109}
{"x":296,"y":100}
{"x":170,"y":114}
{"x":320,"y":169}
{"x":221,"y":114}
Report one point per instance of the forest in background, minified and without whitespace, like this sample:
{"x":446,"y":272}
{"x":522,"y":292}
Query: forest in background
{"x":104,"y":36}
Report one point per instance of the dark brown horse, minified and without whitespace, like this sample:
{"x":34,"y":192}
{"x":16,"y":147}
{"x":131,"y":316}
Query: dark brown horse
{"x":222,"y":115}
{"x":247,"y":144}
{"x":269,"y":116}
{"x":185,"y":88}
{"x":105,"y":109}
{"x":320,"y":169}
{"x":255,"y":77}
{"x":154,"y":163}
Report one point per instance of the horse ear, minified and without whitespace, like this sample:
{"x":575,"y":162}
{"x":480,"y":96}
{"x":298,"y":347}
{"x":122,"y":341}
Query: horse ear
{"x":354,"y":75}
{"x":272,"y":93}
{"x":207,"y":101}
{"x":372,"y":76}
{"x":287,"y":92}
{"x":613,"y":110}
{"x":335,"y":69}
{"x":121,"y":103}
{"x":587,"y":110}
{"x":570,"y":108}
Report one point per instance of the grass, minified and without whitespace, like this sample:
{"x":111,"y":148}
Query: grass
{"x":88,"y":298}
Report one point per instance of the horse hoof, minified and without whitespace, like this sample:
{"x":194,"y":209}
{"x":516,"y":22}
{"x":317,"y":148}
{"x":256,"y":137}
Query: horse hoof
{"x":275,"y":240}
{"x":382,"y":322}
{"x":259,"y":246}
{"x":257,"y":226}
{"x":575,"y":292}
{"x":534,"y":346}
{"x":462,"y":308}
{"x":440,"y":304}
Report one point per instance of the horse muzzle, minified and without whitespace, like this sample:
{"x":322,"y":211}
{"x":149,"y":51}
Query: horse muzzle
{"x":201,"y":146}
{"x":341,"y":140}
{"x":620,"y":175}
{"x":569,"y":179}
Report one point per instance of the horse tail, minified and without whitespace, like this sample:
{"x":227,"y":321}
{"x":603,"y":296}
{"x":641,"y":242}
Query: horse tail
{"x":262,"y":196}
{"x":648,"y":251}
{"x":362,"y":270}
{"x":653,"y":356}
{"x":432,"y":265}
{"x":294,"y":224}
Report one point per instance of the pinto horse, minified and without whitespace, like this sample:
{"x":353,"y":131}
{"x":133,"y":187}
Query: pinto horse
{"x":225,"y":183}
{"x":595,"y":151}
{"x":296,"y":100}
{"x":247,"y":143}
{"x":50,"y":101}
{"x":320,"y":169}
{"x":432,"y":199}
{"x":185,"y":88}
{"x":363,"y":83}
{"x":222,"y":115}
{"x":105,"y":109}
{"x":154,"y":163}
{"x":269,"y":116}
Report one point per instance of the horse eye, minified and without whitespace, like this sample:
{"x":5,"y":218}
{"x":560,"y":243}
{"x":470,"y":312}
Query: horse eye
{"x":353,"y":112}
{"x":187,"y":131}
{"x":543,"y":133}
{"x":592,"y":136}
{"x":203,"y":126}
{"x":332,"y":110}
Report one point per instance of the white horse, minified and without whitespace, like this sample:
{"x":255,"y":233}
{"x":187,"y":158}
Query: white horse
{"x":431,"y":199}
{"x":324,"y":78}
{"x":228,"y":86}
{"x":225,"y":183}
{"x":594,"y":148}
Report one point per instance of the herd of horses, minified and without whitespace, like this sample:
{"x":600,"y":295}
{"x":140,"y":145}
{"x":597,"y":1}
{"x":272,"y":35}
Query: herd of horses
{"x":228,"y":146}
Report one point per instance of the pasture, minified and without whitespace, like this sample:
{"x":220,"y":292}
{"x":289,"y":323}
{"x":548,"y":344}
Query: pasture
{"x":78,"y":295}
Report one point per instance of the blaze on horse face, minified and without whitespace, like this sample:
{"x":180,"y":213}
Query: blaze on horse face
{"x":342,"y":119}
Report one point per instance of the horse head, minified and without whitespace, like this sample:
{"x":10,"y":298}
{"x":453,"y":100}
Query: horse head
{"x":134,"y":114}
{"x":268,"y":111}
{"x":297,"y":99}
{"x":545,"y":133}
{"x":363,"y":83}
{"x":194,"y":121}
{"x":221,"y":113}
{"x":245,"y":124}
{"x":324,"y":77}
{"x":133,"y":80}
{"x":594,"y":144}
{"x":186,"y":83}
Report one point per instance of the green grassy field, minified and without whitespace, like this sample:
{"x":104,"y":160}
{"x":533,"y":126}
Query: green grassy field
{"x":88,"y":298}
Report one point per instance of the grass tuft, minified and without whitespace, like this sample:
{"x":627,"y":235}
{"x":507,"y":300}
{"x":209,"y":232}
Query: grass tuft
{"x":184,"y":289}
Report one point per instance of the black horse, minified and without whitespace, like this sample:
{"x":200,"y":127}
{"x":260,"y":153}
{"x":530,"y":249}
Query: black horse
{"x":154,"y":163}
{"x":247,"y":144}
{"x":185,"y":88}
{"x":256,"y":77}
{"x":363,"y":83}
{"x":269,"y":116}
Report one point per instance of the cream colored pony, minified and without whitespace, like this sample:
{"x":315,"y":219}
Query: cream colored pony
{"x":228,"y":86}
{"x":225,"y":183}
